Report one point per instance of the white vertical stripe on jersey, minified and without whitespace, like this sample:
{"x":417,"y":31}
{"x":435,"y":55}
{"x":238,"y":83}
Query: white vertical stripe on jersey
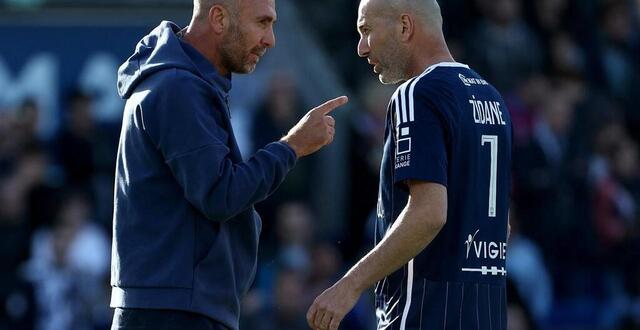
{"x":396,"y":100}
{"x":477,"y":305}
{"x":407,"y":102}
{"x":424,"y":291}
{"x":415,"y":81}
{"x":403,"y":97}
{"x":446,"y":305}
{"x":411,"y":87}
{"x":461,"y":303}
{"x":489,"y":304}
{"x":407,"y":305}
{"x":500,"y":310}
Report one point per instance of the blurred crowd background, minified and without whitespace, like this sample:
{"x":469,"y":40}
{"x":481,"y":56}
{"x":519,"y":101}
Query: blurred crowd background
{"x":568,"y":69}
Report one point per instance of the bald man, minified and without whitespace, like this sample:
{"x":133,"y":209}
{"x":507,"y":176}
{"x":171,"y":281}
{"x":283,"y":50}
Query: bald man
{"x":442,"y":216}
{"x":185,"y":233}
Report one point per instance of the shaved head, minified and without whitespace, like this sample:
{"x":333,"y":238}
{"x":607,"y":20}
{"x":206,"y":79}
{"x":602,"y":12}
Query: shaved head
{"x":399,"y":37}
{"x":201,"y":7}
{"x":425,"y":11}
{"x":233,"y":34}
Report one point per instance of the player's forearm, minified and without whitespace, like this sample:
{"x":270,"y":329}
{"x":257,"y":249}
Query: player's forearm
{"x":409,"y":235}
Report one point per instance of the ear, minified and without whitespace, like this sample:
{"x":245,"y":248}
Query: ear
{"x":218,"y":18}
{"x":407,"y":27}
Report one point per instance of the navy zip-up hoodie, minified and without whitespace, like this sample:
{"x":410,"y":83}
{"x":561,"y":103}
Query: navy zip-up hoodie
{"x":185,"y":233}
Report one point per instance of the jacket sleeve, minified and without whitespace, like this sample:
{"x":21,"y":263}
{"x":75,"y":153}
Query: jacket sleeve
{"x":184,"y":120}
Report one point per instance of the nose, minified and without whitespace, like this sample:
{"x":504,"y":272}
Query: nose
{"x":269,"y":40}
{"x":363,"y":47}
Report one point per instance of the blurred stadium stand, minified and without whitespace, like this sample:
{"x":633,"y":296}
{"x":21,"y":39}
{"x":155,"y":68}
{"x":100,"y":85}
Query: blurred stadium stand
{"x":569,"y":70}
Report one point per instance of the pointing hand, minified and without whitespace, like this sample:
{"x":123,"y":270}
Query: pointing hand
{"x":315,"y":130}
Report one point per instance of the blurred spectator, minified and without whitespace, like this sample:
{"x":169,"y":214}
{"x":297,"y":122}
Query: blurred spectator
{"x":541,"y":176}
{"x":524,"y":103}
{"x":27,"y":189}
{"x":273,"y":117}
{"x":26,"y":124}
{"x":619,"y":51}
{"x":565,"y":55}
{"x":86,"y":151}
{"x":285,"y":310}
{"x":618,"y":44}
{"x":616,"y":183}
{"x":14,"y":229}
{"x":290,"y":301}
{"x":278,"y":112}
{"x":24,"y":172}
{"x":294,"y":232}
{"x":290,"y":251}
{"x":518,"y":316}
{"x":570,"y":74}
{"x":326,"y":269}
{"x":626,"y":165}
{"x":366,"y":135}
{"x":74,"y":144}
{"x":615,"y":207}
{"x":68,"y":267}
{"x":17,"y":132}
{"x":528,"y":274}
{"x":17,"y":304}
{"x":27,"y":173}
{"x":501,"y":46}
{"x":548,"y":16}
{"x":280,"y":287}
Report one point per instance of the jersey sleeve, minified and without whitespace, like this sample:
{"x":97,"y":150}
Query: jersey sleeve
{"x":420,"y":135}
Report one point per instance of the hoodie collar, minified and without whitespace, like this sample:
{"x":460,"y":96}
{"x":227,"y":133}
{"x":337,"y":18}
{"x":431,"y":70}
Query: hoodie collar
{"x":162,"y":49}
{"x":207,"y":69}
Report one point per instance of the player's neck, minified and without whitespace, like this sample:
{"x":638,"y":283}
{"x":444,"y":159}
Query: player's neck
{"x":430,"y":53}
{"x":421,"y":64}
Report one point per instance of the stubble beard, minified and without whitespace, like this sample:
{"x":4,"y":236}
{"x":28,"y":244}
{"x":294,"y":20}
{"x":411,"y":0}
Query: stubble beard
{"x":233,"y":52}
{"x":394,"y":62}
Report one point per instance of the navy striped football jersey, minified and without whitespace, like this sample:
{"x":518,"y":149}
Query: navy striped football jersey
{"x":451,"y":127}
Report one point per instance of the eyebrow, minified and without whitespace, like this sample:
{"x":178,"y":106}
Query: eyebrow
{"x":267,"y":17}
{"x":361,"y":26}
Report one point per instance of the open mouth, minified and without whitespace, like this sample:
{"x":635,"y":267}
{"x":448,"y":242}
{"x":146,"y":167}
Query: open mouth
{"x":376,"y":66}
{"x":259,"y":52}
{"x":255,"y":56}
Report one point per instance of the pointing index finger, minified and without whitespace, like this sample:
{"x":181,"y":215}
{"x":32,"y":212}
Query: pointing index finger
{"x":328,"y":106}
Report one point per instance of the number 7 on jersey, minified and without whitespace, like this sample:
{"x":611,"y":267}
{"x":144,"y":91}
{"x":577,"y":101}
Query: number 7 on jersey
{"x":493,"y":171}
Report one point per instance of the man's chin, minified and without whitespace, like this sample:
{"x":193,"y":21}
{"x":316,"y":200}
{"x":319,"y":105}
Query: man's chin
{"x":251,"y":67}
{"x":386,"y":80}
{"x":248,"y":68}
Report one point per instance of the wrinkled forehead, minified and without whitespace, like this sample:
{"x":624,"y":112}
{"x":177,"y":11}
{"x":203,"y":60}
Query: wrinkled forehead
{"x":363,"y":10}
{"x":372,"y":9}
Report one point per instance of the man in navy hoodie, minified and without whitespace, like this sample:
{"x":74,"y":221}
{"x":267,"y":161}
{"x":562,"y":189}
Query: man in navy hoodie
{"x":185,"y":233}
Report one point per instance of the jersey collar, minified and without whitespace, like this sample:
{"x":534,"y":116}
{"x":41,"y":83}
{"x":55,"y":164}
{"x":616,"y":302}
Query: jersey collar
{"x":446,"y":64}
